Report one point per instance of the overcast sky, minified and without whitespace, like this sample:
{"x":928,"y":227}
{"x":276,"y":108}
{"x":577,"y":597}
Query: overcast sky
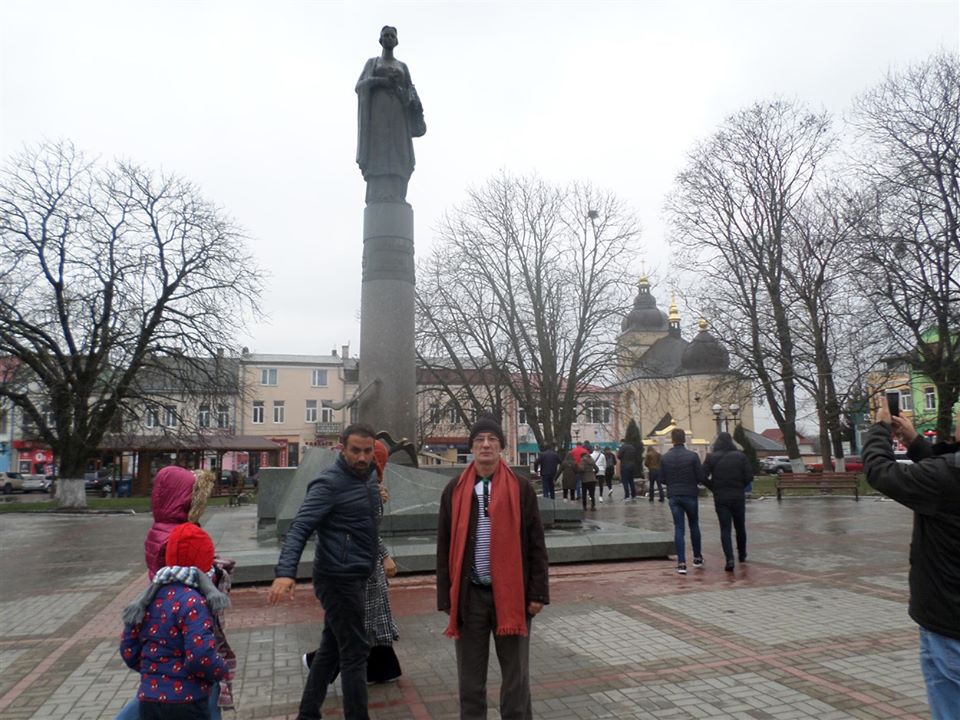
{"x":255,"y":102}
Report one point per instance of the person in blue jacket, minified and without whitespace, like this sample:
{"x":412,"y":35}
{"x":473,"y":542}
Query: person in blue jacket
{"x":681,"y":472}
{"x":342,"y":506}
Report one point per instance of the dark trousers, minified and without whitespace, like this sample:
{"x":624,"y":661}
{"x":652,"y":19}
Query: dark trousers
{"x":735,"y":512}
{"x":473,"y":656}
{"x":343,"y":645}
{"x":608,"y":476}
{"x":196,"y":710}
{"x":655,"y":480}
{"x":589,"y":488}
{"x":626,"y":477}
{"x":548,"y":491}
{"x":684,"y":506}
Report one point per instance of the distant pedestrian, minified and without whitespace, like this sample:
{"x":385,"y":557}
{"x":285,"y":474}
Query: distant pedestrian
{"x":168,"y":634}
{"x":652,"y":462}
{"x":627,"y":455}
{"x":492,"y":574}
{"x":547,"y":464}
{"x":578,"y":452}
{"x":727,"y":473}
{"x":589,"y":471}
{"x":610,"y":466}
{"x":931,"y":488}
{"x":682,"y":472}
{"x":568,"y":477}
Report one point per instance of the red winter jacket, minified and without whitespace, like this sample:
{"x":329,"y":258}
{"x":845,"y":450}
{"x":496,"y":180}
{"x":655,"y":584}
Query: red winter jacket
{"x":170,"y":503}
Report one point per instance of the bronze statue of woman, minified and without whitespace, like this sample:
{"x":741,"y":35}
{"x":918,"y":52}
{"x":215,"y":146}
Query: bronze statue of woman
{"x":390,"y":115}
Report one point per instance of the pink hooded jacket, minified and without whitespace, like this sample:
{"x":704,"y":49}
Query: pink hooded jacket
{"x":170,"y":503}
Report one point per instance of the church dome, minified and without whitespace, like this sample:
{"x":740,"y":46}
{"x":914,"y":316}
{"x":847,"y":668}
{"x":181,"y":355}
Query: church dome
{"x":645,"y":315}
{"x":704,"y":354}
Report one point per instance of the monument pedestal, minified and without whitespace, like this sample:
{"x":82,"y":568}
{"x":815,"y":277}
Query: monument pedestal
{"x":387,"y":356}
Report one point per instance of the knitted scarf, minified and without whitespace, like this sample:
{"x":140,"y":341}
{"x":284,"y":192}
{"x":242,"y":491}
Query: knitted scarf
{"x":506,"y":565}
{"x":191,"y":576}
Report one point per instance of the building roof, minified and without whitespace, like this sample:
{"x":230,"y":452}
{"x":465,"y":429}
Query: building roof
{"x":305,"y":360}
{"x":776,"y":434}
{"x":704,"y":354}
{"x":645,"y":315}
{"x":762,"y":443}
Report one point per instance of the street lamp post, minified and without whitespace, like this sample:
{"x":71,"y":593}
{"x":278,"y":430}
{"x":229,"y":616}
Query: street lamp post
{"x":723,"y":419}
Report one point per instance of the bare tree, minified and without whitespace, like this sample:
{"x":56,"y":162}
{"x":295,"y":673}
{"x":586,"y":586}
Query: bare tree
{"x":527,"y":286}
{"x":910,"y":246}
{"x":105,"y":271}
{"x":731,"y":213}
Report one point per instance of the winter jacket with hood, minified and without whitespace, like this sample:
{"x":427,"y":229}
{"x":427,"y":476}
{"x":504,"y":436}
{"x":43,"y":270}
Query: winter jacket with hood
{"x":727,"y":470}
{"x":178,"y":496}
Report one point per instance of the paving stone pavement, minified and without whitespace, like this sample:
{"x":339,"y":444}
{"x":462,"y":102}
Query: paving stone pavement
{"x":813,"y":626}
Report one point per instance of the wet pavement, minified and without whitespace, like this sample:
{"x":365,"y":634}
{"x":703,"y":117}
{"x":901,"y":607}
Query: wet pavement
{"x":815,"y":625}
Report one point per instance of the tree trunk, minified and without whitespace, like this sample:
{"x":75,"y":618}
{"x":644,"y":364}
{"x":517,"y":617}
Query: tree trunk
{"x":71,"y":493}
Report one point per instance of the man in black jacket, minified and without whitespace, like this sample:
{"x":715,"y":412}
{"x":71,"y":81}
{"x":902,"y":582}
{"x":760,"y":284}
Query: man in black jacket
{"x":931,"y":488}
{"x":681,"y":472}
{"x":342,"y":507}
{"x":546,"y":464}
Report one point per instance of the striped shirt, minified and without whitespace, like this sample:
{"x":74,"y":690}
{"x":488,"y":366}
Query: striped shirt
{"x":480,"y":573}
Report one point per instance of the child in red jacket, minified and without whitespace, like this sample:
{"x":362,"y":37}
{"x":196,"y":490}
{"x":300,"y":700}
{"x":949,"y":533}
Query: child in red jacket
{"x":169,"y":633}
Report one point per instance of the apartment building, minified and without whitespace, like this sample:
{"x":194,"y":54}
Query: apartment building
{"x":297,"y":401}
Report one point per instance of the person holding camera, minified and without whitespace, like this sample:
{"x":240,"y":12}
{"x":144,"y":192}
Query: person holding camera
{"x":931,"y":488}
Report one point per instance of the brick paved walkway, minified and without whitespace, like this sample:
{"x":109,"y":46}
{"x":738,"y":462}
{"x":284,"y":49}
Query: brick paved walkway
{"x":814,"y":626}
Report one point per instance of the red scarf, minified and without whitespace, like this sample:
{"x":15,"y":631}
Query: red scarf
{"x":506,"y":565}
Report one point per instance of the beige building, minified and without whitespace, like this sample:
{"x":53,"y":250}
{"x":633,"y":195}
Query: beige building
{"x":297,"y":401}
{"x":667,"y":380}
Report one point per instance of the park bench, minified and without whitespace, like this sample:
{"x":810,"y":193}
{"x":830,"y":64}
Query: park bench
{"x":823,"y":482}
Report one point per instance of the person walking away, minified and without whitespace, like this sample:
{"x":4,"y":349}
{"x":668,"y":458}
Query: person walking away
{"x":578,"y":452}
{"x":610,"y":464}
{"x":931,"y":489}
{"x":588,"y":466}
{"x":601,"y":462}
{"x":568,"y":476}
{"x":547,"y":464}
{"x":627,"y":455}
{"x":492,"y":574}
{"x":727,"y":473}
{"x":168,"y":633}
{"x":652,"y":462}
{"x":681,"y":472}
{"x":341,"y":506}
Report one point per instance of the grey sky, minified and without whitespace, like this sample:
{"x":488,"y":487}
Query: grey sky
{"x":254,"y":101}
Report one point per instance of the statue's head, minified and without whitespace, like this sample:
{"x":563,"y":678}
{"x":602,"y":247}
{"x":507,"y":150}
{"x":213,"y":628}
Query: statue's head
{"x":388,"y":36}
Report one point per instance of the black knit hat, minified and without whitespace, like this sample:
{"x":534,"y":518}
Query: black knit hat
{"x":487,"y":423}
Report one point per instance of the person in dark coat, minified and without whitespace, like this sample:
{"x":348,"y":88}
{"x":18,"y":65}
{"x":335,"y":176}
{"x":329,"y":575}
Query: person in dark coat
{"x":568,"y":476}
{"x":727,"y":473}
{"x":627,"y":455}
{"x":492,"y":574}
{"x":547,"y":464}
{"x":681,"y":472}
{"x":931,"y":488}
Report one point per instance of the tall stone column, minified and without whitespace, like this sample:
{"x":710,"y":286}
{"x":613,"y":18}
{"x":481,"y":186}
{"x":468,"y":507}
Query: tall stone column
{"x":387,"y":356}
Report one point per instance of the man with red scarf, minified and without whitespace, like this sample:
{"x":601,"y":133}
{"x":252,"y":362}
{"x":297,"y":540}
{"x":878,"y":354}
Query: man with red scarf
{"x":491,"y":574}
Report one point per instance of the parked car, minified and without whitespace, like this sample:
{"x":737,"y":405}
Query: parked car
{"x":851,"y":463}
{"x":36,"y":483}
{"x":98,"y":483}
{"x":10,"y":481}
{"x":777,"y":465}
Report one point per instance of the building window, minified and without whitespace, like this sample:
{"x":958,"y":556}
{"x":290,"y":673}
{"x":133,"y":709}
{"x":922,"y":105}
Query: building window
{"x":170,"y":416}
{"x":311,"y":413}
{"x":257,"y":412}
{"x":3,"y":421}
{"x":268,"y":376}
{"x":436,"y":414}
{"x":319,"y":378}
{"x":522,"y":416}
{"x":203,"y":417}
{"x":278,"y":408}
{"x":906,"y":400}
{"x":326,"y":415}
{"x":153,"y":417}
{"x":354,"y":414}
{"x":929,"y":398}
{"x":223,"y":416}
{"x":597,"y":411}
